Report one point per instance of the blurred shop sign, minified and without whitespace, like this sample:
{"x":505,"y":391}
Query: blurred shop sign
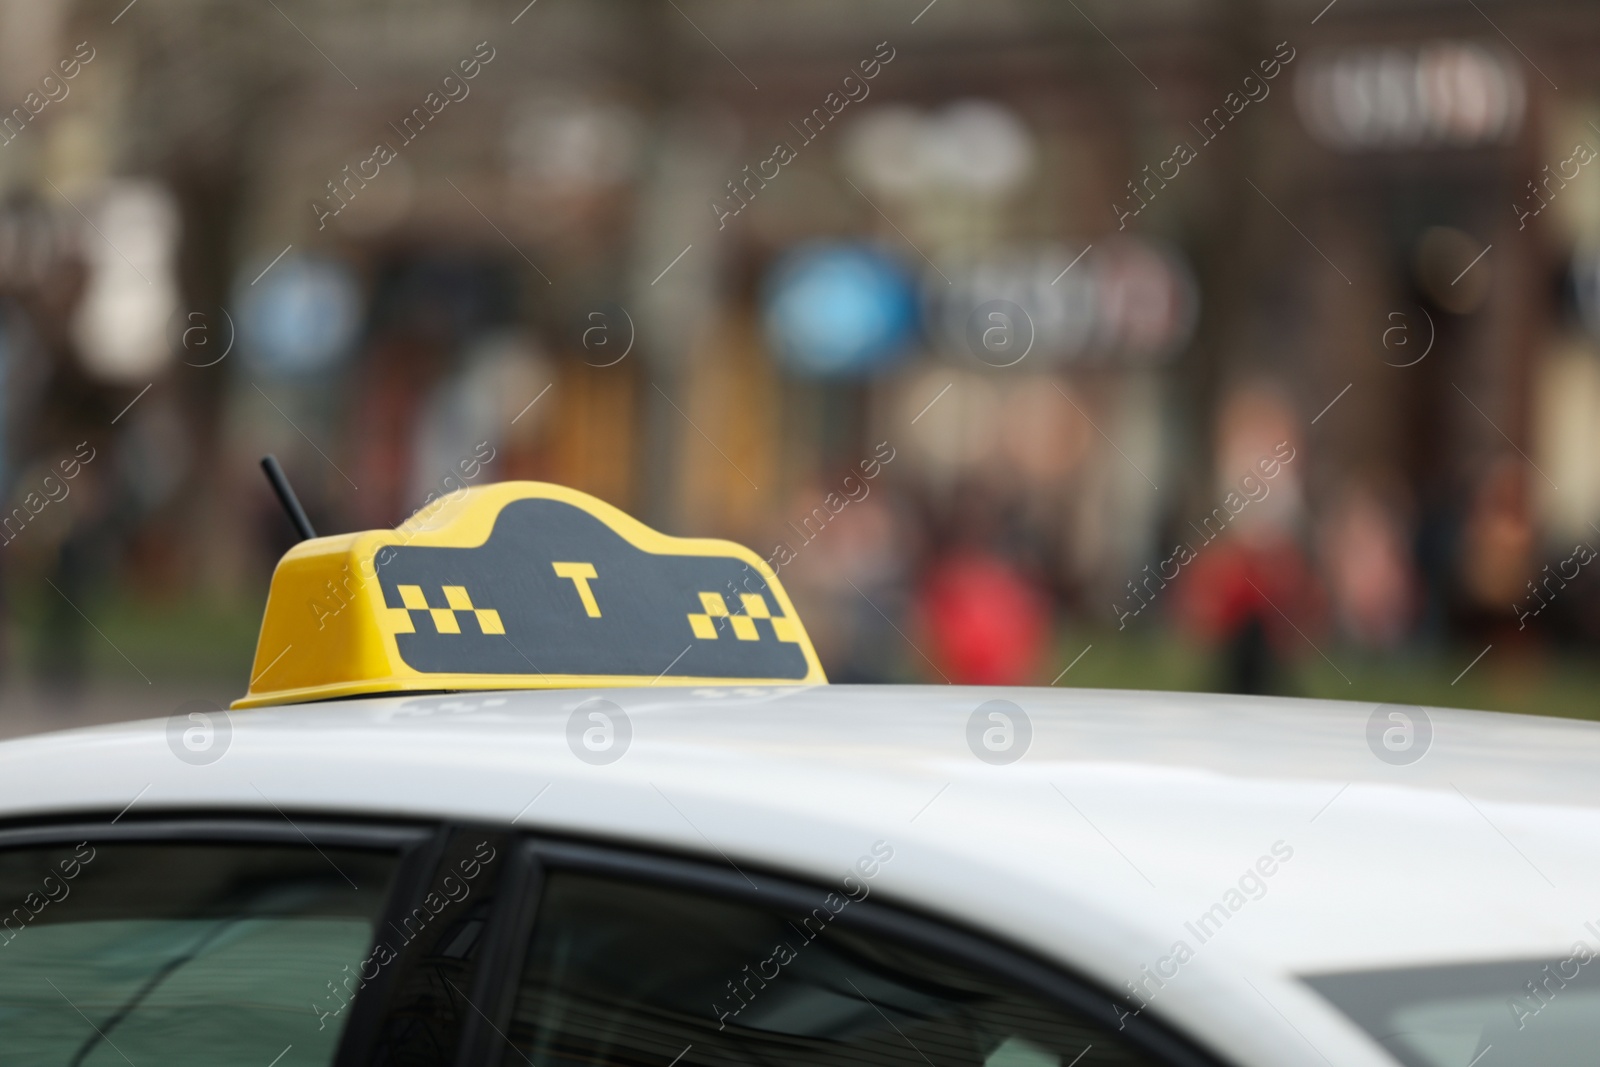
{"x":837,"y":309}
{"x":130,"y":245}
{"x":568,"y":156}
{"x":566,"y":143}
{"x":299,"y":317}
{"x":977,"y":147}
{"x":1442,"y":94}
{"x":1122,"y":301}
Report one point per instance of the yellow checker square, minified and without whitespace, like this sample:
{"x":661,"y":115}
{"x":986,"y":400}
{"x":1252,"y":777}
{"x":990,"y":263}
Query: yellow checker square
{"x":444,"y":619}
{"x":744,"y":626}
{"x":458,"y":599}
{"x":716,"y":608}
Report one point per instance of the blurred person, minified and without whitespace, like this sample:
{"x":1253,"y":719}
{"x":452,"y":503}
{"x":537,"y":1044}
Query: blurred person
{"x":987,"y":619}
{"x":82,"y":558}
{"x":1240,"y":595}
{"x":863,"y":560}
{"x":1249,"y":583}
{"x":13,"y":349}
{"x":1494,"y":565}
{"x":77,"y":539}
{"x":988,"y":625}
{"x":1372,"y":582}
{"x":849,"y":576}
{"x":396,"y":377}
{"x":74,"y":533}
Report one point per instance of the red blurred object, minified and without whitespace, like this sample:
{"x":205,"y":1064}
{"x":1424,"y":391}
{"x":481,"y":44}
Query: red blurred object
{"x":1246,"y":594}
{"x":988,"y":625}
{"x":1232,"y":582}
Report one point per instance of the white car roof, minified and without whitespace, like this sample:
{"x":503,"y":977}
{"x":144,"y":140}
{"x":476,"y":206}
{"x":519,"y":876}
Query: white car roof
{"x":1129,"y":818}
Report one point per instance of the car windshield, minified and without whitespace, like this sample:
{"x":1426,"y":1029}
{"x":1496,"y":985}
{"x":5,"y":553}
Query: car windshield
{"x":1531,"y":1013}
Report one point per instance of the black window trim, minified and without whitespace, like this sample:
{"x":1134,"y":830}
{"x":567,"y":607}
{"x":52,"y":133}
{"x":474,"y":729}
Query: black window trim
{"x":251,"y":826}
{"x":415,"y":844}
{"x":510,"y":929}
{"x":951,"y":939}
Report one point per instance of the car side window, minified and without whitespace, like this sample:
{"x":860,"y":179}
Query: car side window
{"x":182,"y":953}
{"x":621,"y":974}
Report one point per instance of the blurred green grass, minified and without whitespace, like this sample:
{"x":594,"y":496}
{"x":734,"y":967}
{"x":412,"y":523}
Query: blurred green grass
{"x":1543,"y":682}
{"x":212,"y":642}
{"x":202,"y":641}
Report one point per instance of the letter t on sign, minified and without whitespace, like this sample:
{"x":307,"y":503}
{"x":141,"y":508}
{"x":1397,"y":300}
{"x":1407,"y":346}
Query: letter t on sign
{"x":580,"y":573}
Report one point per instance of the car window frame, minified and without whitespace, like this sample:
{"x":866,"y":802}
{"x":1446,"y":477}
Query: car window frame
{"x":416,"y":846}
{"x":419,"y":846}
{"x":540,"y":855}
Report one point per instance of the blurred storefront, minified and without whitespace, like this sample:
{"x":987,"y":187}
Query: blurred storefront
{"x":713,"y":265}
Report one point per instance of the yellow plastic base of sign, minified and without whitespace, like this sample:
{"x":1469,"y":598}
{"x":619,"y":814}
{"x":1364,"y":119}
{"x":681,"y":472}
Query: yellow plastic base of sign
{"x":522,"y":585}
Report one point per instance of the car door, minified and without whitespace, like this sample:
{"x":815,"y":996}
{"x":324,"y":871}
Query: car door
{"x":627,"y":959}
{"x":306,"y":942}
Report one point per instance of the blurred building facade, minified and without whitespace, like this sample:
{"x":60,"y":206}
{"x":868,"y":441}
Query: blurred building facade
{"x":1065,"y":281}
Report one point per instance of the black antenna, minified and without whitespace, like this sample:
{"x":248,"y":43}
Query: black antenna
{"x":290,"y":502}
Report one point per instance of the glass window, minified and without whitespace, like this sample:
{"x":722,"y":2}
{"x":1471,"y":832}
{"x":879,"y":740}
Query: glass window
{"x":1536,"y":1013}
{"x":625,"y":974}
{"x":182,"y":953}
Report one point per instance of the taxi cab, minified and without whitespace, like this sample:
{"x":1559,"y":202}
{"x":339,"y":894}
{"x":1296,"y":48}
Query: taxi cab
{"x":524,"y":781}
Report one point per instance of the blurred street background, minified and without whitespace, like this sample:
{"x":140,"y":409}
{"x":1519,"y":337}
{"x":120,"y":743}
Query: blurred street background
{"x":1205,"y":344}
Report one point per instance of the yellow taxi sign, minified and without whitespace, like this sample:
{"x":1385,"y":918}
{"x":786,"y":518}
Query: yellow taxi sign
{"x":522,"y":585}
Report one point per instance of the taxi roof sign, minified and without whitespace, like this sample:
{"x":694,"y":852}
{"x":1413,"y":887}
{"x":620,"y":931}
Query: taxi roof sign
{"x":522,"y":585}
